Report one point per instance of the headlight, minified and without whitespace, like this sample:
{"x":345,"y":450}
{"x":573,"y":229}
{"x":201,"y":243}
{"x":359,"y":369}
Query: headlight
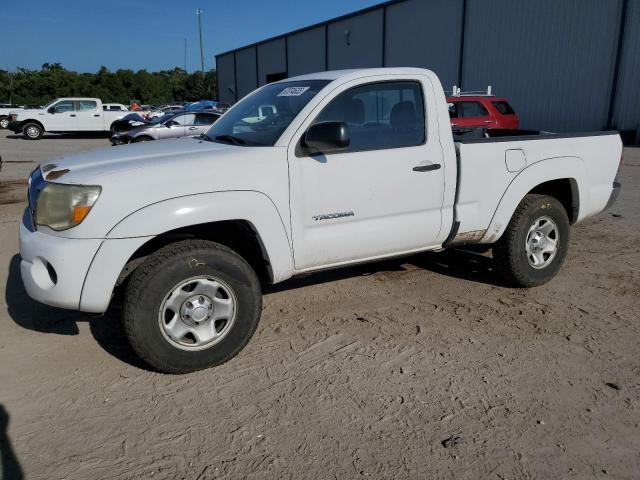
{"x":61,"y":207}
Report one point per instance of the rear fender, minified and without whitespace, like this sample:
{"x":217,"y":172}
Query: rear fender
{"x":536,"y":174}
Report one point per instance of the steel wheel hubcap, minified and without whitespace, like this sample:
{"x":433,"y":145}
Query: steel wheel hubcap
{"x":197,"y":313}
{"x":4,"y":123}
{"x":542,"y":242}
{"x":32,"y":131}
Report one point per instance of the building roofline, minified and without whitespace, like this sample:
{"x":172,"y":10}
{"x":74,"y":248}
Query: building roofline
{"x":311,"y":27}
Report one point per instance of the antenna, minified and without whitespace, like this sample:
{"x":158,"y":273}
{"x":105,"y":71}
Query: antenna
{"x":199,"y":12}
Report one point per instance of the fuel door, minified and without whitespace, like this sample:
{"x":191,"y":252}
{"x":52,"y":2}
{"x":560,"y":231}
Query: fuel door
{"x":515,"y":160}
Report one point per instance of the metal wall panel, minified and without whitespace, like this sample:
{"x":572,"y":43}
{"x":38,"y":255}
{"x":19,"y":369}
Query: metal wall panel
{"x":306,"y":52}
{"x":226,"y":78}
{"x":272,"y":58}
{"x":627,"y":102}
{"x":426,"y":34}
{"x":553,"y":59}
{"x":246,"y":71}
{"x":356,"y":42}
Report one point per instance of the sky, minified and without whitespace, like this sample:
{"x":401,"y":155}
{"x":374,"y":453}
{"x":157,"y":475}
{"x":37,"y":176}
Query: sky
{"x":83,"y":35}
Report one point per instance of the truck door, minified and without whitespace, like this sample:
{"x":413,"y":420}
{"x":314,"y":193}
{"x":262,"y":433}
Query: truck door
{"x":176,"y":126}
{"x":90,"y":119}
{"x":62,"y":117}
{"x":381,"y":195}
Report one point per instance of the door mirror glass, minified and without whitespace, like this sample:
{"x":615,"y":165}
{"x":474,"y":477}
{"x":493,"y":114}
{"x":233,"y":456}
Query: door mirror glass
{"x":325,"y":137}
{"x":170,"y":123}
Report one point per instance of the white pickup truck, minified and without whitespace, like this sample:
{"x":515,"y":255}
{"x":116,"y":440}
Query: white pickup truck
{"x":351,"y":166}
{"x":64,"y":115}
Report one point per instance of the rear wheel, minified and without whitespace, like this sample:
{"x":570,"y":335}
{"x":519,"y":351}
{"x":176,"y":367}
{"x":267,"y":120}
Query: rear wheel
{"x":4,"y":122}
{"x":191,"y":305}
{"x":33,"y":131}
{"x":535,"y":243}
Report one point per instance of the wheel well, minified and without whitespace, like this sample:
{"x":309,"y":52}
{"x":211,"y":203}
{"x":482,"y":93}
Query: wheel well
{"x":24,"y":122}
{"x":137,"y":139}
{"x":565,"y":190}
{"x":238,"y":235}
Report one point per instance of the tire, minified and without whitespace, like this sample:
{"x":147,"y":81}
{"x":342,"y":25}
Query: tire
{"x":161,"y":309}
{"x":4,"y":123}
{"x":525,"y":255}
{"x":32,"y":131}
{"x":143,"y":139}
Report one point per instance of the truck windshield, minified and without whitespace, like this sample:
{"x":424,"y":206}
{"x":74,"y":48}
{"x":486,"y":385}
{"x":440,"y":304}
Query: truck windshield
{"x":260,"y":118}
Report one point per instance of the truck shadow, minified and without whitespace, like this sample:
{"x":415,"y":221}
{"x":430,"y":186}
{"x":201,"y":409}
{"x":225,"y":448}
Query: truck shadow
{"x":108,"y":332}
{"x":9,"y":465}
{"x":466,"y":264}
{"x":107,"y":329}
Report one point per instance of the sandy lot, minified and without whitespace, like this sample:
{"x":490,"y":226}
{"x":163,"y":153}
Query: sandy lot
{"x":426,"y":367}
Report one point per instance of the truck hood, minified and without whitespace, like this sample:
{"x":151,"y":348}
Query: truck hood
{"x":27,"y":111}
{"x":94,"y":166}
{"x":132,"y":177}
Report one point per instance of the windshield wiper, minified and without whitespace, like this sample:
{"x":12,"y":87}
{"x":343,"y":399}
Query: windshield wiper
{"x":230,"y":139}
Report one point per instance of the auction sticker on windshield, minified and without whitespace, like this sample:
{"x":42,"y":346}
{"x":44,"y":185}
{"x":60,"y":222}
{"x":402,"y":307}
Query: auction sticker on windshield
{"x":293,"y":91}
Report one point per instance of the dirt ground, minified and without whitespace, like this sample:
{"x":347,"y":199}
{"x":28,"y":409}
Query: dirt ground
{"x":425,"y":367}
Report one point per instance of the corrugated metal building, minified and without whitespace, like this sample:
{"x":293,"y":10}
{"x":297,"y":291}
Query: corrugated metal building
{"x":566,"y":65}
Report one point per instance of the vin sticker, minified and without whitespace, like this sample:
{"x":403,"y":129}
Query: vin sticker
{"x":293,"y":91}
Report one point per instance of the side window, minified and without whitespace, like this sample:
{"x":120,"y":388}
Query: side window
{"x":205,"y":119}
{"x":380,"y":115}
{"x":188,"y":119}
{"x":504,"y":108}
{"x":471,"y":109}
{"x":84,"y":105}
{"x":64,"y":106}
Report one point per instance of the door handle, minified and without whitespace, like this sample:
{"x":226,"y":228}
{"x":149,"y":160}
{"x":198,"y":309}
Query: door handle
{"x":193,"y":128}
{"x":97,"y":115}
{"x":427,"y":168}
{"x":72,"y":115}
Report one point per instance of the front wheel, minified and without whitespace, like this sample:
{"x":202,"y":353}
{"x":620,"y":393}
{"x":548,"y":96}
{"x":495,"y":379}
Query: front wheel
{"x":535,"y":243}
{"x":32,"y":131}
{"x":193,"y":304}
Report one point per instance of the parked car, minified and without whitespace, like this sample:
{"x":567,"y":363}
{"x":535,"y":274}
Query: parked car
{"x":5,"y":110}
{"x":354,"y":166}
{"x":64,"y":115}
{"x":487,"y":111}
{"x":160,"y":111}
{"x":126,"y":123}
{"x":115,"y":107}
{"x":170,"y":125}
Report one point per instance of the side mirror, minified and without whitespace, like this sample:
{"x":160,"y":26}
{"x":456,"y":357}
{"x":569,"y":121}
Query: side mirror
{"x":51,"y":110}
{"x":170,"y":124}
{"x":326,"y":137}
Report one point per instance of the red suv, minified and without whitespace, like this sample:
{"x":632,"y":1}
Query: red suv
{"x":482,"y":111}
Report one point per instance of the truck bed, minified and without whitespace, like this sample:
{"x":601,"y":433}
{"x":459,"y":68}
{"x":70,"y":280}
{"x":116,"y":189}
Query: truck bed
{"x":484,"y":176}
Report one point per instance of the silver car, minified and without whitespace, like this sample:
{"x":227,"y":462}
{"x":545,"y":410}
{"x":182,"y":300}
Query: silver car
{"x":170,"y":125}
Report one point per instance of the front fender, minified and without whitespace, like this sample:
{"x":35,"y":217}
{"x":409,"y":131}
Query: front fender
{"x":143,"y":225}
{"x":540,"y":172}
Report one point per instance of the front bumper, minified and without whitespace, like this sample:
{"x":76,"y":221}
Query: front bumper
{"x":15,"y":127}
{"x":120,"y":140}
{"x":54,"y":268}
{"x":77,"y":274}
